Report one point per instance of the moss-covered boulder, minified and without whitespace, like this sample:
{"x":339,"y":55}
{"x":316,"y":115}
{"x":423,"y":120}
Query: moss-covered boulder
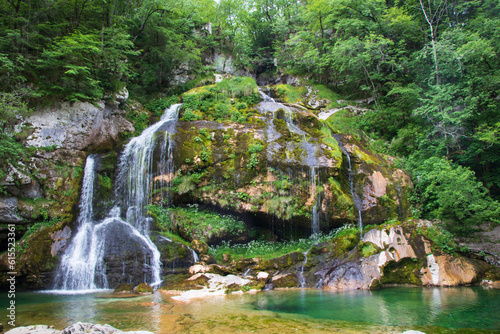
{"x":143,"y":288}
{"x":285,"y":281}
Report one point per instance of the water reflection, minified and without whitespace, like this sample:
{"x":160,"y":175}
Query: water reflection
{"x":446,"y":307}
{"x":431,"y":310}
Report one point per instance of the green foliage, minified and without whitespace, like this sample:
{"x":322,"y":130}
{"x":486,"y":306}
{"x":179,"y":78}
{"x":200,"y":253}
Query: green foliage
{"x":204,"y":224}
{"x":441,"y":238}
{"x":12,"y":153}
{"x":158,"y":106}
{"x":272,"y":249}
{"x":451,"y":193}
{"x":226,"y":100}
{"x":139,"y":119}
{"x":255,"y":148}
{"x":186,"y":183}
{"x":189,"y":116}
{"x":160,"y":215}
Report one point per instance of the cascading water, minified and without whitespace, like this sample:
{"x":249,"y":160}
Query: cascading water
{"x":136,"y":166}
{"x":270,"y":105}
{"x":82,"y":266}
{"x":315,"y":213}
{"x":355,"y":198}
{"x":302,"y":279}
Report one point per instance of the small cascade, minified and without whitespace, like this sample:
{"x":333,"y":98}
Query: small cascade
{"x":355,"y":198}
{"x":195,"y":256}
{"x":302,"y":279}
{"x":193,"y":253}
{"x":82,"y":266}
{"x":315,"y":213}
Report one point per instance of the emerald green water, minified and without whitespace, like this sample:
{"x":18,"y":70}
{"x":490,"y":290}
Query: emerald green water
{"x":390,"y":310}
{"x":452,"y":308}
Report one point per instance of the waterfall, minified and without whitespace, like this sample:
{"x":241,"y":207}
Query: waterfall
{"x":82,"y":266}
{"x":270,"y":105}
{"x":195,"y":256}
{"x":135,"y":169}
{"x":355,"y":198}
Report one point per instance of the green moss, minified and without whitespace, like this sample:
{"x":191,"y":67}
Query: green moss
{"x":185,"y":285}
{"x":289,"y":94}
{"x":324,"y":93}
{"x":364,"y":156}
{"x":406,"y":271}
{"x":343,"y":121}
{"x":368,"y":249}
{"x":193,"y":223}
{"x":124,"y":287}
{"x":344,"y":241}
{"x":336,"y":151}
{"x":143,"y":288}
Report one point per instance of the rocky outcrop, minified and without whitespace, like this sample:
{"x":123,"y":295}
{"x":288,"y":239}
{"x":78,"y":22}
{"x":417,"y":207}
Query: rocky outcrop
{"x":77,"y":126}
{"x":78,"y":328}
{"x":45,"y":189}
{"x":396,"y":255}
{"x":279,"y":166}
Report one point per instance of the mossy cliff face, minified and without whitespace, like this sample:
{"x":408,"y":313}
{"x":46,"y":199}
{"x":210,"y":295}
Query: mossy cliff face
{"x":280,"y":164}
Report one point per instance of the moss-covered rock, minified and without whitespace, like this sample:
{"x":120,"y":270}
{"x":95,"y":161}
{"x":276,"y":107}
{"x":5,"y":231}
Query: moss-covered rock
{"x":199,"y":246}
{"x":285,"y":281}
{"x":143,"y":288}
{"x":406,"y":271}
{"x":124,"y":287}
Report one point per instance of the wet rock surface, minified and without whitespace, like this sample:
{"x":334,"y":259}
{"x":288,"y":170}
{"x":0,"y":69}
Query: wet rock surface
{"x":78,"y":328}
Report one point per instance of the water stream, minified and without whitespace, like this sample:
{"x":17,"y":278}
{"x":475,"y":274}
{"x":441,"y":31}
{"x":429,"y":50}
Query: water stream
{"x":355,"y":197}
{"x":82,"y":266}
{"x":302,"y":279}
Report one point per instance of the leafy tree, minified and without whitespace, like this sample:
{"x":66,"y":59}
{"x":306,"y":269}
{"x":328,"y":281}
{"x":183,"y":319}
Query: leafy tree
{"x":452,"y":193}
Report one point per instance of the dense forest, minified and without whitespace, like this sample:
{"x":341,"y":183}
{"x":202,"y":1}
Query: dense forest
{"x":430,"y":67}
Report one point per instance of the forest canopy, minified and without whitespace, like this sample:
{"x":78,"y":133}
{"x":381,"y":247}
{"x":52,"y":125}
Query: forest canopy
{"x":431,"y":68}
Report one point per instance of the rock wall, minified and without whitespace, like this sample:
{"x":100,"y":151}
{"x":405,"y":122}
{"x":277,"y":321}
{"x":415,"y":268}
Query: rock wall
{"x":397,"y":254}
{"x":43,"y":193}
